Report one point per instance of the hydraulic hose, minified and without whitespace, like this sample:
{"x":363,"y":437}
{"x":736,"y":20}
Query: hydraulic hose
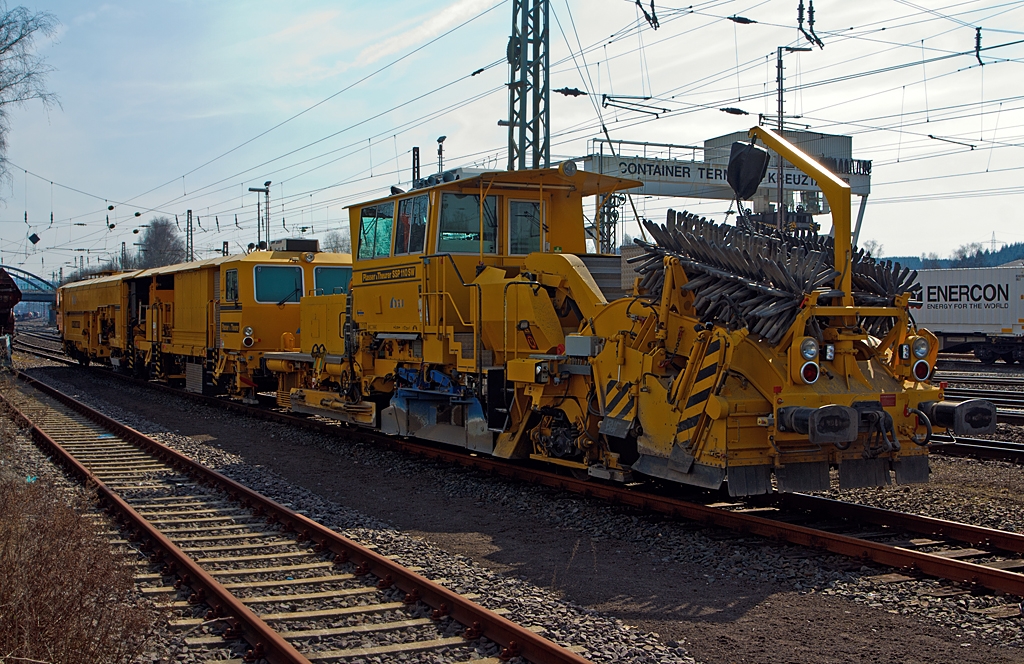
{"x":927,"y":428}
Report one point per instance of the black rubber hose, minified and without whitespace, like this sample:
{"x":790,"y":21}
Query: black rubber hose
{"x":927,"y":427}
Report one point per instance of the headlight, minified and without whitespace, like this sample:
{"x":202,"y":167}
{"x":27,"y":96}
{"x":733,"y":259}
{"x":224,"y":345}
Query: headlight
{"x":920,"y":348}
{"x":247,"y":330}
{"x":808,"y":349}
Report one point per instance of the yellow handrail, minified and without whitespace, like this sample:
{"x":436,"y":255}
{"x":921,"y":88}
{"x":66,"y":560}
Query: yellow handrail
{"x":836,"y":191}
{"x":443,"y":296}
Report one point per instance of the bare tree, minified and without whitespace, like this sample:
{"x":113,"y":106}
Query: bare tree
{"x":130,"y":261}
{"x":22,"y":72}
{"x":874,"y":248}
{"x":969,"y":255}
{"x":161,"y":244}
{"x":931,"y":260}
{"x":85,"y":273}
{"x":337,"y":242}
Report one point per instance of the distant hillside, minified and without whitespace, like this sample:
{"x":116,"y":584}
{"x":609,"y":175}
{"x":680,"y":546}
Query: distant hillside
{"x":969,"y":255}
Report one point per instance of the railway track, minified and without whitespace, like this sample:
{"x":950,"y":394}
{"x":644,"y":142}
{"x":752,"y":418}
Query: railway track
{"x":973,"y":379}
{"x":974,"y":366}
{"x":978,"y":448}
{"x":1002,"y":398}
{"x":47,"y":352}
{"x":40,"y":334}
{"x":294,"y":590}
{"x":960,"y":552}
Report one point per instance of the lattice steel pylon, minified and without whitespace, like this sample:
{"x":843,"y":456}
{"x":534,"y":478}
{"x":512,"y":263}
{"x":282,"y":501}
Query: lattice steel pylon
{"x":529,"y":95}
{"x":609,"y":226}
{"x":190,"y":246}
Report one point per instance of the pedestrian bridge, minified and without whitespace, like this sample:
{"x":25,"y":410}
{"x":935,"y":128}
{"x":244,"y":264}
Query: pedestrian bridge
{"x":33,"y":288}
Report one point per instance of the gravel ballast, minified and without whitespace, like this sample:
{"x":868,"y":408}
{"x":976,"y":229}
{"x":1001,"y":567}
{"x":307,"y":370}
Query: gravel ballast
{"x":592,"y":635}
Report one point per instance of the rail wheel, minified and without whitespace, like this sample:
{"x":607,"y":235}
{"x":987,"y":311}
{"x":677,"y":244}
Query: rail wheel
{"x":1007,"y":357}
{"x":580,"y":474}
{"x":985,"y":355}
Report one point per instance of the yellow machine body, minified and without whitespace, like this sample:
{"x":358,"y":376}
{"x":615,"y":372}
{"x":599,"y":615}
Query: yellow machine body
{"x":474,"y":320}
{"x":91,"y":316}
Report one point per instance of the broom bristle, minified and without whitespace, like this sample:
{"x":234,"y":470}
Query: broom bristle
{"x":743,"y":278}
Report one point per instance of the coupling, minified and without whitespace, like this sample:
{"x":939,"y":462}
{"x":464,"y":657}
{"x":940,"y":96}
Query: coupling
{"x":833,"y":424}
{"x":967,"y":418}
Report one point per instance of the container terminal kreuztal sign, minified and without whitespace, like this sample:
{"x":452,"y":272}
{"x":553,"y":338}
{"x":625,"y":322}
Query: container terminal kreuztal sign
{"x":707,"y":178}
{"x":700,"y":179}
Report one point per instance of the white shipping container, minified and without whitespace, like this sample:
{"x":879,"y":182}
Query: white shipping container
{"x":967,"y":305}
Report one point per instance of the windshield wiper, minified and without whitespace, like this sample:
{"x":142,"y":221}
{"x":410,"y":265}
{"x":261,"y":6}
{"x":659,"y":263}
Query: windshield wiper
{"x":288,"y":296}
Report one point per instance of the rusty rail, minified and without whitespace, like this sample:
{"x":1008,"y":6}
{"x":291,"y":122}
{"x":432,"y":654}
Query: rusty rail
{"x":883,"y":554}
{"x":261,"y":636}
{"x":979,"y":448}
{"x":925,"y":525}
{"x":905,"y":559}
{"x":515,"y":639}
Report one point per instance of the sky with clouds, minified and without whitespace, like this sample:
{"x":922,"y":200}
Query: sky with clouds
{"x":177,"y":105}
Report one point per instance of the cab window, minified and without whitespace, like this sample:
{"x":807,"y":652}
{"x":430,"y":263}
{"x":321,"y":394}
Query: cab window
{"x":460,"y":224}
{"x":375,"y":230}
{"x":231,"y":285}
{"x":330,"y":280}
{"x":411,"y":226}
{"x":278,"y":284}
{"x":523,"y":227}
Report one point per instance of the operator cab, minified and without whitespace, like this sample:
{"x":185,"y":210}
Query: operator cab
{"x":473,"y":218}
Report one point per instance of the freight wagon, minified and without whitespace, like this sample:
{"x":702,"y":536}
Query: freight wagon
{"x":208,"y":323}
{"x":979,"y":310}
{"x":10,"y":295}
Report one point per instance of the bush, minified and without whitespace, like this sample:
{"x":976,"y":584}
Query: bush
{"x":65,"y":596}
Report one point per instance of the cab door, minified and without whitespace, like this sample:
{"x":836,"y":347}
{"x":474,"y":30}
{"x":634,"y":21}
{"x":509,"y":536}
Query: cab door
{"x":525,"y":226}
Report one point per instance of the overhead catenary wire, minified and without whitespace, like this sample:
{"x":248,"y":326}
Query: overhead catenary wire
{"x":597,"y":108}
{"x":994,"y":132}
{"x":634,"y":122}
{"x":332,"y":96}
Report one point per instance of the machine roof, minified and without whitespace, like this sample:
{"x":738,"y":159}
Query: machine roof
{"x":322,"y":258}
{"x":585,"y":183}
{"x":101,"y":280}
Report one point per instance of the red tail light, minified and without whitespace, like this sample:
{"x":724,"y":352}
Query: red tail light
{"x":809,"y":372}
{"x":921,"y":370}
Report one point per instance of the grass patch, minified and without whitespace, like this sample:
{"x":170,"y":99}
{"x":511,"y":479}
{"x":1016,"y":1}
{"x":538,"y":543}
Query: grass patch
{"x":65,"y":596}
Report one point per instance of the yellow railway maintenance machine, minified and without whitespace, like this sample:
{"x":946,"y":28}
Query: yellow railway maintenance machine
{"x":207,"y":322}
{"x":474,"y":319}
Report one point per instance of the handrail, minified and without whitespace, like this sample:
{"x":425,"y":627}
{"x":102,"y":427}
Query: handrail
{"x":448,"y":295}
{"x":504,"y":318}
